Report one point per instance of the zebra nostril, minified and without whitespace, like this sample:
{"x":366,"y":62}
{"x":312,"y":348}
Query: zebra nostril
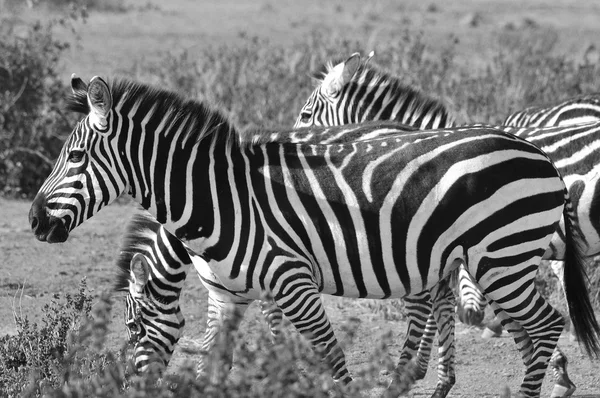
{"x":34,"y":223}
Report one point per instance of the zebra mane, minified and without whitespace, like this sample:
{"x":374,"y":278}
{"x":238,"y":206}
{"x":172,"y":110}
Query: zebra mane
{"x":199,"y":119}
{"x":368,"y":73}
{"x":138,"y":238}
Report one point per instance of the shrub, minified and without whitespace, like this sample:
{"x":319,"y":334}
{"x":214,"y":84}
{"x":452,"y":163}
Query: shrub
{"x":41,"y":357}
{"x":32,"y":123}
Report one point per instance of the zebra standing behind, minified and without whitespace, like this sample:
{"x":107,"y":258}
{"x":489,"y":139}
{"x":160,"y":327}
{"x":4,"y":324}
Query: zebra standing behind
{"x":578,"y":110}
{"x":378,"y":218}
{"x":350,"y":92}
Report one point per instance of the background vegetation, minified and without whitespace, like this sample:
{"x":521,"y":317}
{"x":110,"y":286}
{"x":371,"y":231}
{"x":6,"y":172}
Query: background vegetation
{"x":260,"y":82}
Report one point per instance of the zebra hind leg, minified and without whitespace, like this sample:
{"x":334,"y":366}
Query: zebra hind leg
{"x":541,"y":330}
{"x":563,"y":386}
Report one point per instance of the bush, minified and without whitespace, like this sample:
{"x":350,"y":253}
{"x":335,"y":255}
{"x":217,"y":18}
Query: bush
{"x":32,"y":123}
{"x":67,"y":357}
{"x":40,"y":358}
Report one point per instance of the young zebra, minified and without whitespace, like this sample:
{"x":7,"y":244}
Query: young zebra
{"x":355,"y":92}
{"x":578,"y":110}
{"x":153,"y":265}
{"x":378,"y":218}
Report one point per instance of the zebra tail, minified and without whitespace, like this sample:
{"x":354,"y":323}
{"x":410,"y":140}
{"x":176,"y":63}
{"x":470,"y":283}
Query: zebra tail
{"x":576,"y":286}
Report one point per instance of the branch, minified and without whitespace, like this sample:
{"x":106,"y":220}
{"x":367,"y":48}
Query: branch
{"x":34,"y":152}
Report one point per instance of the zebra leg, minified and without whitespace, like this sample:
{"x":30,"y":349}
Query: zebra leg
{"x":443,"y":311}
{"x":273,"y":315}
{"x":424,"y":352}
{"x":492,"y":329}
{"x":563,"y":386}
{"x":224,"y":317}
{"x":541,"y":324}
{"x":419,"y":314}
{"x":520,"y":336}
{"x":301,"y":303}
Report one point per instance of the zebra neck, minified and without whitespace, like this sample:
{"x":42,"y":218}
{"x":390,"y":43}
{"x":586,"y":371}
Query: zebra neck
{"x":392,"y":101}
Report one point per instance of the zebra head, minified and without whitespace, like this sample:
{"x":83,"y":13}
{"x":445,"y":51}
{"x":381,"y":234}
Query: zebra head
{"x":322,"y":106}
{"x":85,"y":177}
{"x":154,"y":326}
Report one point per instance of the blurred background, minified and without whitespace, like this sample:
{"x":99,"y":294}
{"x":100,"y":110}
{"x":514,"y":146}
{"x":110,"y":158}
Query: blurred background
{"x":484,"y":58}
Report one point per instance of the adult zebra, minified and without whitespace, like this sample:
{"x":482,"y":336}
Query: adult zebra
{"x":299,"y":220}
{"x":353,"y":92}
{"x":577,"y":110}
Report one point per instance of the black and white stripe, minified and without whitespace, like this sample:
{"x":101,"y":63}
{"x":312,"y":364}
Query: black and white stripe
{"x":577,"y":110}
{"x":343,"y":92}
{"x":378,"y":218}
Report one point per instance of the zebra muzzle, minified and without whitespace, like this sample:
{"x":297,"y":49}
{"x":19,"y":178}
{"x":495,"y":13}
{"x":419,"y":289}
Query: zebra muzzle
{"x":45,"y":227}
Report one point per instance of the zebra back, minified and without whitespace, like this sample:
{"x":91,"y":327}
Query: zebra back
{"x":577,"y":110}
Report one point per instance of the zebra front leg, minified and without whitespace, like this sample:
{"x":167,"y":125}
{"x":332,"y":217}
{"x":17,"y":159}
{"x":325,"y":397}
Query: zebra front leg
{"x":443,"y":311}
{"x":224,"y":317}
{"x":419,"y":310}
{"x":301,"y":303}
{"x":273,"y":316}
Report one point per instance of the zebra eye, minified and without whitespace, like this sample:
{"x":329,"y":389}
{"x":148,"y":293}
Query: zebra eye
{"x":76,"y":156}
{"x":305,"y":117}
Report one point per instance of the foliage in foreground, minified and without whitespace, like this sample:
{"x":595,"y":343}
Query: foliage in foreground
{"x":67,"y":357}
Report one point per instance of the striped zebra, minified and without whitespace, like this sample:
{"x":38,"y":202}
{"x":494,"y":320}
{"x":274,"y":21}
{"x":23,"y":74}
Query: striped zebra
{"x":418,"y":307}
{"x":578,"y":110}
{"x":351,"y":91}
{"x":153,"y":265}
{"x":378,"y":218}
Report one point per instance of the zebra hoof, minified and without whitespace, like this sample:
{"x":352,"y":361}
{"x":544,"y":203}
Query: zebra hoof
{"x":489,"y":333}
{"x":560,"y":391}
{"x":441,"y":391}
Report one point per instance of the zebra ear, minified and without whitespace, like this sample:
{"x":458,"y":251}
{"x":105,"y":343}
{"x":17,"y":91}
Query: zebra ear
{"x":340,"y":75}
{"x":100,"y":102}
{"x":77,"y":85}
{"x":140,"y":272}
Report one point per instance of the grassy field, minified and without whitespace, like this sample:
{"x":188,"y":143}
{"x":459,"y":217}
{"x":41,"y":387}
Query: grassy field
{"x":116,"y":41}
{"x":246,"y":55}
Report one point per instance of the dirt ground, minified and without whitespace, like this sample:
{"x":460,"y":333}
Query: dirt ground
{"x":483,"y":366}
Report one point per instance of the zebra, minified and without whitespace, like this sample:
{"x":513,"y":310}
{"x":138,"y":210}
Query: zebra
{"x":355,"y":92}
{"x":578,"y":110}
{"x":301,"y":220}
{"x":152,"y":267}
{"x":419,"y":306}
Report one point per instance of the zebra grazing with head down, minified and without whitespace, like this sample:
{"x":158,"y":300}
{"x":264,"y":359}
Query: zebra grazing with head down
{"x":373,"y":218}
{"x":578,"y":110}
{"x":350,"y":91}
